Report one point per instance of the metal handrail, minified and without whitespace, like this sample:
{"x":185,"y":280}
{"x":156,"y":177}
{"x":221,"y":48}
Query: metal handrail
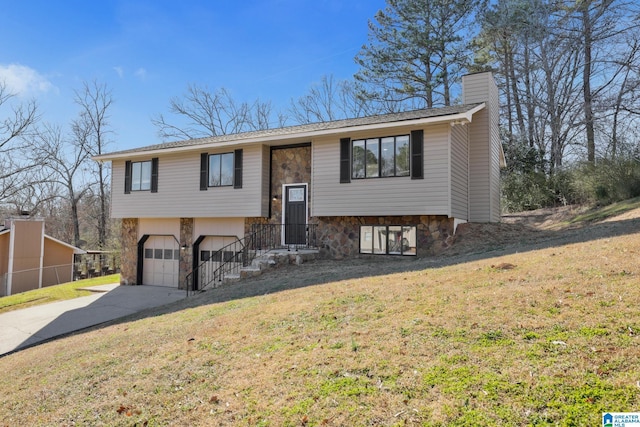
{"x":225,"y":260}
{"x":262,"y":239}
{"x":299,"y":236}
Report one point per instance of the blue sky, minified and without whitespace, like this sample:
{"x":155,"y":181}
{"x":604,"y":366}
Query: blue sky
{"x":147,"y":51}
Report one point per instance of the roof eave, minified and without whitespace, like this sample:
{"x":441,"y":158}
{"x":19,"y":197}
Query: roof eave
{"x":76,"y":250}
{"x":464,"y":117}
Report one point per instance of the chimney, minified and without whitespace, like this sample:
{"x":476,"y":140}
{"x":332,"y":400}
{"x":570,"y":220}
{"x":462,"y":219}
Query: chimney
{"x":485,"y":149}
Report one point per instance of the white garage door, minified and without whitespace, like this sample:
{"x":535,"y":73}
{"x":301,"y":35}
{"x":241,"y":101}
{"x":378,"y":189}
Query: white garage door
{"x":212,"y":258}
{"x":161,"y":261}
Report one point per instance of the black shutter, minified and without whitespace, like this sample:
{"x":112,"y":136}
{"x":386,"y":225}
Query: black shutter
{"x":127,"y":177}
{"x":237,"y":169}
{"x":417,"y":148}
{"x":154,"y":175}
{"x":345,"y":160}
{"x":204,"y":168}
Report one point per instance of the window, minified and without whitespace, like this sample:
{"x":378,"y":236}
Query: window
{"x":380,"y":157}
{"x":221,"y":170}
{"x":141,"y":176}
{"x":388,"y":239}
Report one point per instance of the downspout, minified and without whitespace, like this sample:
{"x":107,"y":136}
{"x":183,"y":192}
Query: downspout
{"x":73,"y":264}
{"x":450,"y":171}
{"x":12,"y":234}
{"x":468,"y":141}
{"x":41,"y":265}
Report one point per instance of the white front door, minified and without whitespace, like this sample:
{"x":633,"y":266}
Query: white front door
{"x":161,"y":261}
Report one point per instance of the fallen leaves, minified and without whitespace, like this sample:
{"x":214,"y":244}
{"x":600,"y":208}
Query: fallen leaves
{"x":128,"y":411}
{"x":503,"y":266}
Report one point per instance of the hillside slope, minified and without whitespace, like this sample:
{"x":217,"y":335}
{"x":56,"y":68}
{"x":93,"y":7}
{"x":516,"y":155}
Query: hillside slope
{"x":521,"y":323}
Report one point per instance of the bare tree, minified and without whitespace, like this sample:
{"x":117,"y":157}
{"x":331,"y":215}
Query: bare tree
{"x":504,"y":23}
{"x":91,"y":133}
{"x":595,"y":25}
{"x":562,"y":68}
{"x":260,"y":116}
{"x":14,"y":125}
{"x":320,"y":104}
{"x":620,"y":105}
{"x":334,"y":100}
{"x":65,"y":160}
{"x":201,"y":112}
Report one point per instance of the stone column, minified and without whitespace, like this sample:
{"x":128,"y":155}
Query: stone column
{"x":186,"y":251}
{"x":129,"y":257}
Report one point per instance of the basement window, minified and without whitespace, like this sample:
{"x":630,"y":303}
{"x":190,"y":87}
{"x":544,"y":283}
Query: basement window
{"x":388,"y":239}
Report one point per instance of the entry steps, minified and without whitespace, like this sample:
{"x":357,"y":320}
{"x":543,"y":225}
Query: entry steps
{"x":272,"y":259}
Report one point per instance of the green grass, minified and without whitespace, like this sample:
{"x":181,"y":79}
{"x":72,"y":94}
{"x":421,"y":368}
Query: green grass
{"x":601,"y":213}
{"x":554,"y":341}
{"x":54,"y":293}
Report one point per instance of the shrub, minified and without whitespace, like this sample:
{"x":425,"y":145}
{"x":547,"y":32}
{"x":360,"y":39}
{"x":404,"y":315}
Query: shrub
{"x":608,"y":181}
{"x":526,"y":186}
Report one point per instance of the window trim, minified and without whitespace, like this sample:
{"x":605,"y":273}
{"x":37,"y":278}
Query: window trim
{"x":236,"y":180}
{"x":347,"y":143}
{"x":415,"y":154}
{"x":153,"y":176}
{"x":388,"y":248}
{"x":220,"y":155}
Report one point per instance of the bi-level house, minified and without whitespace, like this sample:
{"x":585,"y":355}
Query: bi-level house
{"x":388,"y":184}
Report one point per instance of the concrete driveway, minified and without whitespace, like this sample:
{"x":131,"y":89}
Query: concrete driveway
{"x":23,"y":328}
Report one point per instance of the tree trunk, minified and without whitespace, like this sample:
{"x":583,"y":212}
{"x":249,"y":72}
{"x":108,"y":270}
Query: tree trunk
{"x":529,"y":94}
{"x":586,"y":83}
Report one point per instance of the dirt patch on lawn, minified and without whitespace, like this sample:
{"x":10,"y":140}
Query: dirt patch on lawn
{"x":528,"y":230}
{"x":521,"y":228}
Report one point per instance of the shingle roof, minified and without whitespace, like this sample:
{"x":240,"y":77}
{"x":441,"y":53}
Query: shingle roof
{"x":306,"y":128}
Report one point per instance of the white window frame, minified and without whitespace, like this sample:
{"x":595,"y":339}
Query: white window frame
{"x":141,"y":175}
{"x":379,"y":172}
{"x":388,"y":240}
{"x":210,"y":171}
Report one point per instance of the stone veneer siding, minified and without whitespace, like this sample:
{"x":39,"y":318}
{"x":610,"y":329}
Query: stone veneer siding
{"x":291,"y":165}
{"x":129,"y":258}
{"x":186,"y":255}
{"x":339,"y":237}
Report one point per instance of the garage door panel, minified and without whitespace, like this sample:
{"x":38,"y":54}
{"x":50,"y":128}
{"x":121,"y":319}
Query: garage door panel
{"x":212,"y":258}
{"x":161,"y":261}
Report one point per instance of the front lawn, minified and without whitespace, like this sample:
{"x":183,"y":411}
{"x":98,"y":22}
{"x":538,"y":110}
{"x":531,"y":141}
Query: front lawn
{"x":54,"y":293}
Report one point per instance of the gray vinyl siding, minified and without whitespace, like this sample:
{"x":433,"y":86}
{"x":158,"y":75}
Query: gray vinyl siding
{"x":179,"y":194}
{"x":484,"y":169}
{"x":479,"y":166}
{"x":459,"y":172}
{"x":266,"y":177}
{"x":494,"y":114}
{"x":382,"y":196}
